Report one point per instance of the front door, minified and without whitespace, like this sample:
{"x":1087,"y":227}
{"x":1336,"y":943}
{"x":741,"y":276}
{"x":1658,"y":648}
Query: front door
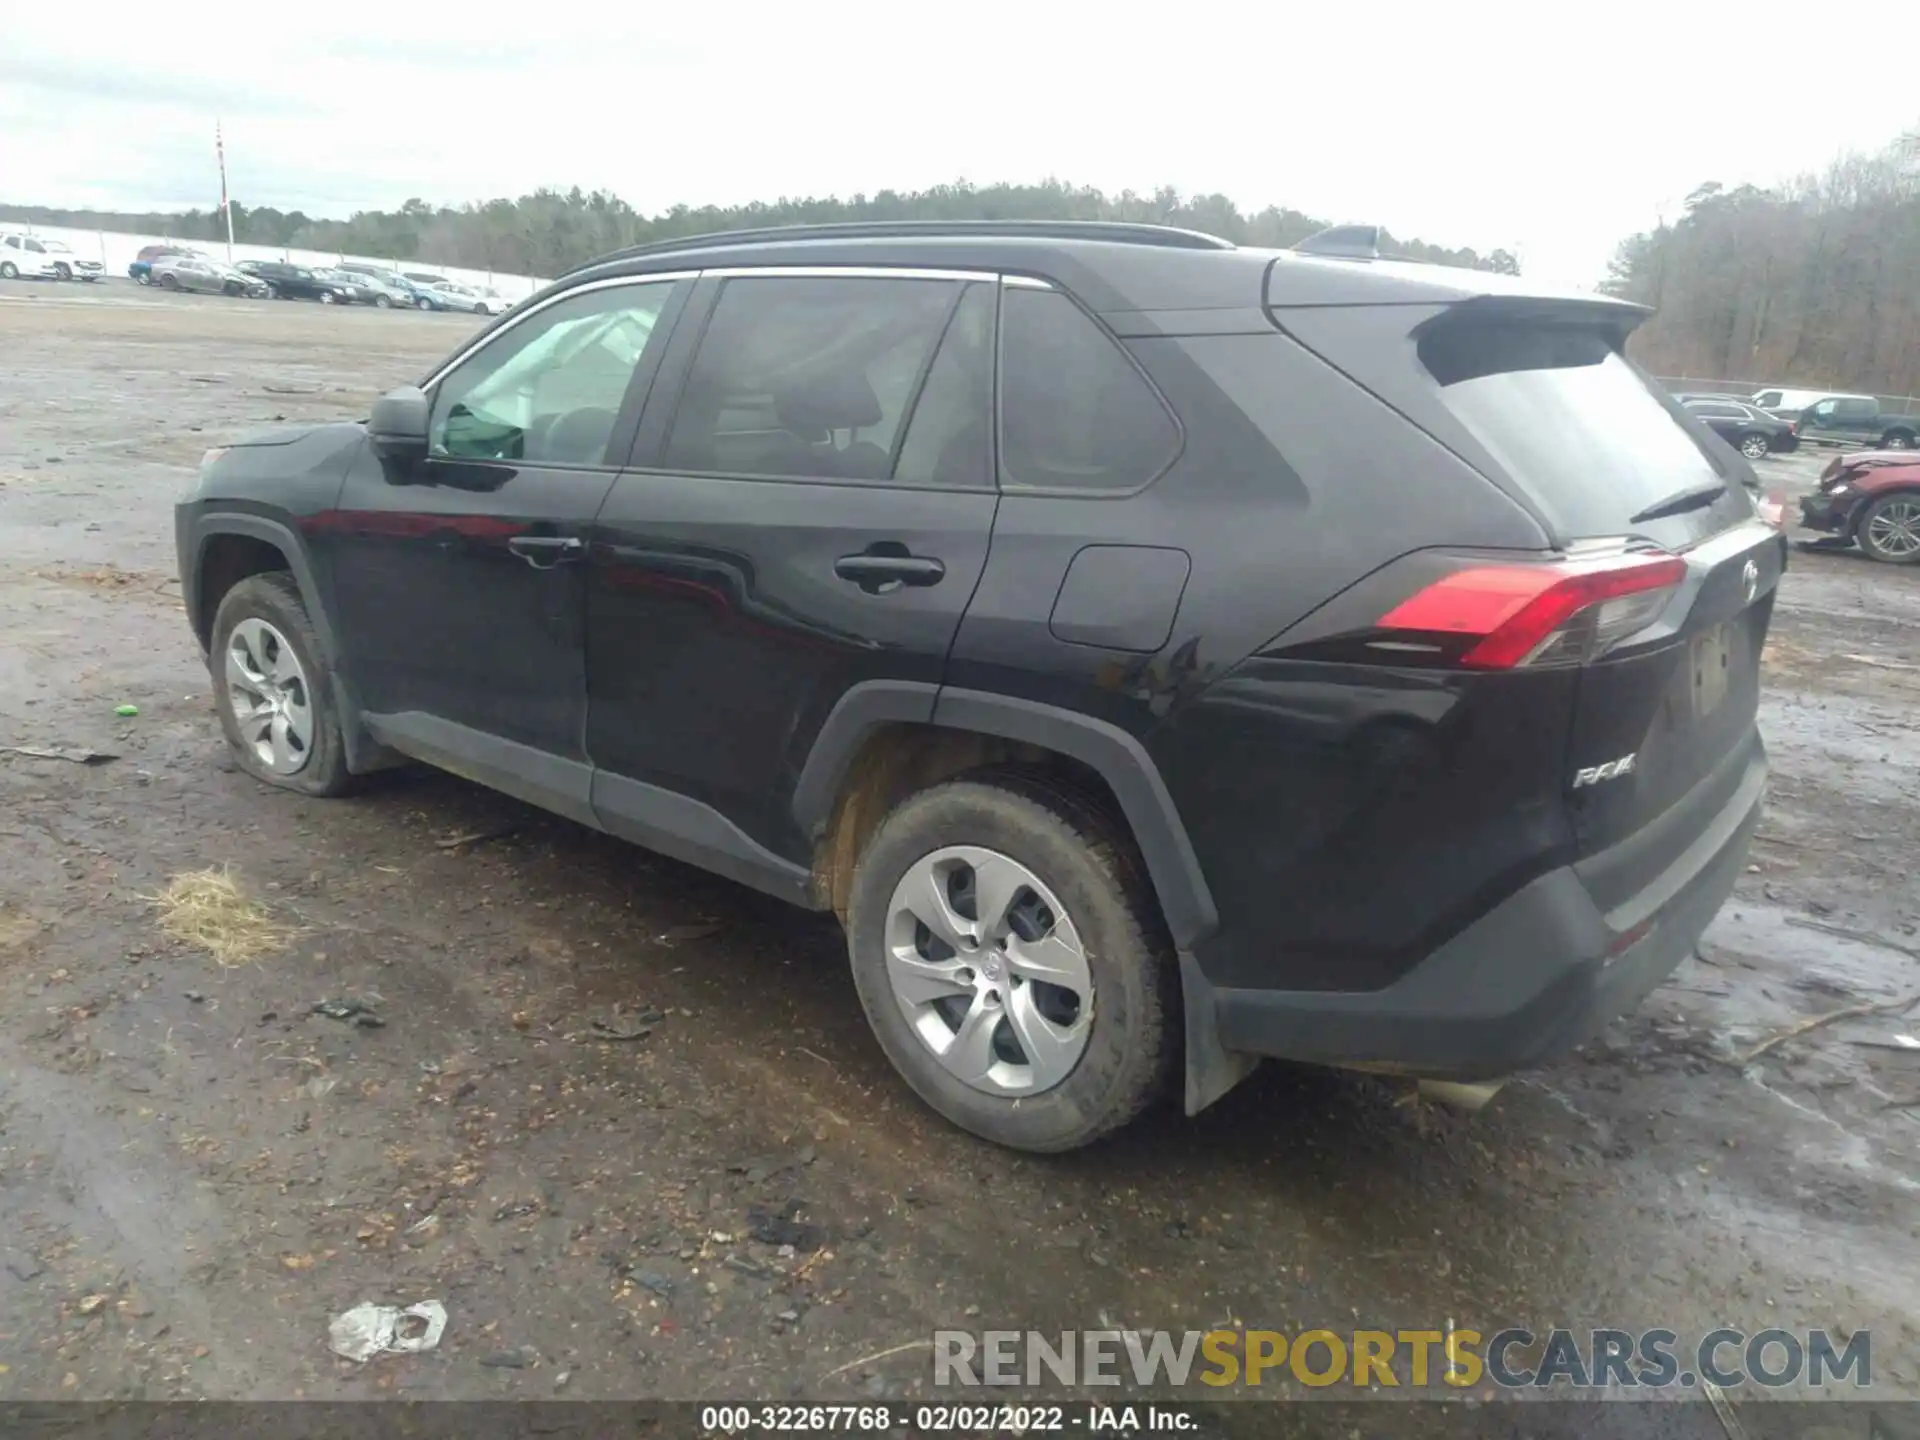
{"x":459,"y":579}
{"x":810,"y":509}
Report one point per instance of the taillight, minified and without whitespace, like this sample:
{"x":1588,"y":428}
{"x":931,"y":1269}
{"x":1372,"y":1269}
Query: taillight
{"x":1509,"y":616}
{"x":1773,"y":509}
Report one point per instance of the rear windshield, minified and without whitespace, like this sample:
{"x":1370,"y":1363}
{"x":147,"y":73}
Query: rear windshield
{"x":1568,"y":417}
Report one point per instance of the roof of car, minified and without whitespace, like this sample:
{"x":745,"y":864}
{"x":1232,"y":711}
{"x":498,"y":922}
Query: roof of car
{"x":1113,"y":267}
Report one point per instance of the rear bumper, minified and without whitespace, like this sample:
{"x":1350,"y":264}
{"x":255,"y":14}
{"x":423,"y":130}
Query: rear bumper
{"x":1524,"y":984}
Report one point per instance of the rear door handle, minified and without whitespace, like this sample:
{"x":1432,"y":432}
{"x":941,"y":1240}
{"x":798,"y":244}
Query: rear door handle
{"x":543,"y":552}
{"x":879,"y":574}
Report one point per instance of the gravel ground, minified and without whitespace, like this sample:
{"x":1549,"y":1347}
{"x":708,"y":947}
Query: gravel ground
{"x":196,"y":1172}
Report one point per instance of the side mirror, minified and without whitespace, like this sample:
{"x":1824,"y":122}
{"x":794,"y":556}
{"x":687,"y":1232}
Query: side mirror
{"x":398,"y":424}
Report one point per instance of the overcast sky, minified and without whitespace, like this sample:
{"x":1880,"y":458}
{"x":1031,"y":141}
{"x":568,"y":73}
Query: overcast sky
{"x":1550,"y":130}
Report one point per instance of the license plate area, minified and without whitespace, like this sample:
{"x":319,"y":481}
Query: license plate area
{"x":1711,"y":658}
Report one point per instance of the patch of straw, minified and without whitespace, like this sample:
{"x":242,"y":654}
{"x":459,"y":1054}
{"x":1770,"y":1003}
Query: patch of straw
{"x":208,"y":909}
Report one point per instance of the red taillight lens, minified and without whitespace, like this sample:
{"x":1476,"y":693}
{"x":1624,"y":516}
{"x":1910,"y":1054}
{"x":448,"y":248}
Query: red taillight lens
{"x":1773,"y":509}
{"x":1557,"y":614}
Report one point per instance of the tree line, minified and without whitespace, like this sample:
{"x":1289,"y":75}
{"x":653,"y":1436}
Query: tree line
{"x":549,"y":232}
{"x":1815,"y":283}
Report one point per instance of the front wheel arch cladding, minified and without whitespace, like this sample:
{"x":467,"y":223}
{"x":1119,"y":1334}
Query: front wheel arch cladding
{"x":364,"y":754}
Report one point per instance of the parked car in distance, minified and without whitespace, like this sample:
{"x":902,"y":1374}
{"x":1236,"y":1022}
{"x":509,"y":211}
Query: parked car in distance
{"x":22,"y":256}
{"x":42,"y":258}
{"x":1841,"y":418}
{"x":354,"y":289}
{"x":1749,"y":429}
{"x":452,"y":295}
{"x":1871,"y":497}
{"x":298,"y":282}
{"x":69,"y":266}
{"x":141,"y":268}
{"x":209,"y":276}
{"x":1428,"y":744}
{"x":1782,"y":401}
{"x":400,"y":290}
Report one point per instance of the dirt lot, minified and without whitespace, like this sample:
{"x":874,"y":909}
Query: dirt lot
{"x":196,"y":1172}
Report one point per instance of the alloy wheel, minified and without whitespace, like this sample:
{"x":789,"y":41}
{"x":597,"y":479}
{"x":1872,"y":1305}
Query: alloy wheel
{"x":267,"y":692}
{"x":989,"y":971}
{"x":1894,"y":529}
{"x":1754,"y":446}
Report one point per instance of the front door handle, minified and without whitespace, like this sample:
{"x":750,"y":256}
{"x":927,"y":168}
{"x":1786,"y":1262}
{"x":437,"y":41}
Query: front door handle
{"x":543,"y":552}
{"x":879,"y":574}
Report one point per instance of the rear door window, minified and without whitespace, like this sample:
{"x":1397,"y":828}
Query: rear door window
{"x":1075,"y":412}
{"x":807,"y":376}
{"x":949,"y":441}
{"x":1568,"y":417}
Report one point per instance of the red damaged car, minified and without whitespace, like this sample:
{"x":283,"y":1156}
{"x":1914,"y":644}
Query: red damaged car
{"x":1871,"y":497}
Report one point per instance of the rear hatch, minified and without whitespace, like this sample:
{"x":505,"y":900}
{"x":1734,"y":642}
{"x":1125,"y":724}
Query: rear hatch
{"x":1660,"y":582}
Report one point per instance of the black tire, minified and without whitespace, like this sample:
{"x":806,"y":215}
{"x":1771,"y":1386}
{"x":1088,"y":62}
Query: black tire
{"x":327,"y":297}
{"x":1896,"y":440}
{"x":481,"y":309}
{"x":272,"y":596}
{"x":1876,"y":547}
{"x":62,"y":271}
{"x":167,"y":282}
{"x":1089,"y":863}
{"x":8,"y":270}
{"x":1755,"y":445}
{"x":143,"y":279}
{"x":232,"y":287}
{"x":380,"y":302}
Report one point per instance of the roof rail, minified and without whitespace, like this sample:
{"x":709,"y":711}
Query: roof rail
{"x":1346,"y":242}
{"x":1113,"y":231}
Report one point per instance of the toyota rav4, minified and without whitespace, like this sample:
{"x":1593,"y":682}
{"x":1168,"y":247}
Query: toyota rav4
{"x":1158,"y":654}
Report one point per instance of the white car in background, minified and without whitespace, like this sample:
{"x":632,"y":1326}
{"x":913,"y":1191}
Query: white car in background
{"x":39,"y":258}
{"x":452,"y":295}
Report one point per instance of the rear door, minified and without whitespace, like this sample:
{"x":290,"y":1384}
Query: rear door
{"x":809,"y":510}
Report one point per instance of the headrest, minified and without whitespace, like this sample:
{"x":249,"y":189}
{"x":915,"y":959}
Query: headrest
{"x":828,"y":400}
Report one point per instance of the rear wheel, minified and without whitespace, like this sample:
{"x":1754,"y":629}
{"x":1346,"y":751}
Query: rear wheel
{"x":326,"y":297}
{"x":380,"y":302}
{"x":9,"y":270}
{"x":167,"y":282}
{"x":1754,"y":446}
{"x":1897,"y":440}
{"x":481,"y":309}
{"x":274,"y":694}
{"x":1889,"y":528}
{"x":1011,"y":961}
{"x":143,"y":279}
{"x":232,"y":287}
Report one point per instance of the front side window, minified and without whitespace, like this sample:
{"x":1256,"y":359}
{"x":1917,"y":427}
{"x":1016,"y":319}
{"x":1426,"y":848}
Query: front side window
{"x":549,"y":390}
{"x":1075,"y":413}
{"x":806,"y":376}
{"x":1767,"y":397}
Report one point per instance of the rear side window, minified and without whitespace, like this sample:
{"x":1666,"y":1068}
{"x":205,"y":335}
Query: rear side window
{"x":1075,"y":414}
{"x":807,"y":377}
{"x":1568,"y":417}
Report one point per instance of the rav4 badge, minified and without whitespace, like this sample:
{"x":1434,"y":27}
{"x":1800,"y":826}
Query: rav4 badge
{"x":1612,"y":770}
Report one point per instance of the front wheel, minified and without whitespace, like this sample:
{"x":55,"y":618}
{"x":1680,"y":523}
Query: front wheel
{"x":63,"y":271}
{"x":481,"y":309}
{"x":1011,"y":962}
{"x":230,"y":288}
{"x":1889,"y":528}
{"x":273,"y":693}
{"x":326,"y":297}
{"x":380,"y":302}
{"x":1754,"y":446}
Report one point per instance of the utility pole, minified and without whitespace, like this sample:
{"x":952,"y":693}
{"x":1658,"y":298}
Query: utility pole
{"x":226,"y":207}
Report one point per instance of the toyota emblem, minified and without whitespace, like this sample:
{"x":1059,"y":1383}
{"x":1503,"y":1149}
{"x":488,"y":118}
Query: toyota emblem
{"x":1750,"y":576}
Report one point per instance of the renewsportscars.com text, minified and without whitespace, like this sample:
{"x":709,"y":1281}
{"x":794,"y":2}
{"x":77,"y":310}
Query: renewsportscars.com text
{"x":1512,"y":1358}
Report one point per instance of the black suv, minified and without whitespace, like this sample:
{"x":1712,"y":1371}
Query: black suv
{"x":1158,"y":654}
{"x":297,"y":282}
